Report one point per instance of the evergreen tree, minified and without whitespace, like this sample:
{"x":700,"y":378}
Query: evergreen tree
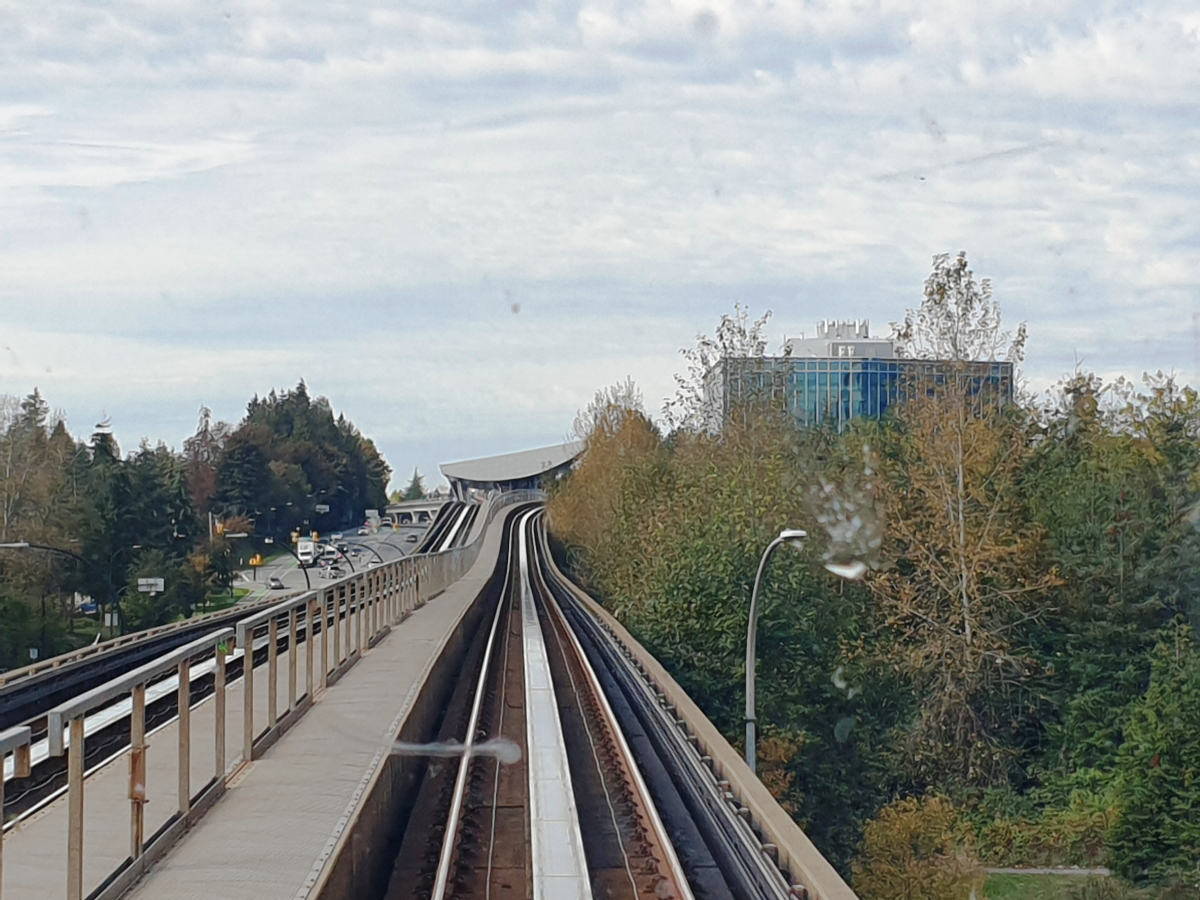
{"x":415,"y":489}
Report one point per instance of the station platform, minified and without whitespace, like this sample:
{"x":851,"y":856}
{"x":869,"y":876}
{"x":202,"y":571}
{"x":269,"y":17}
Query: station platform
{"x":280,"y":820}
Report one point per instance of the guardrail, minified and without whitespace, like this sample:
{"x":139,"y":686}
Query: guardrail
{"x":348,"y":616}
{"x":64,"y":660}
{"x":781,"y":837}
{"x":15,"y":741}
{"x":70,"y":715}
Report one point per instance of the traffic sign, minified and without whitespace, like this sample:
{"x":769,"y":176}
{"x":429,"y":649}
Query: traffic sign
{"x":151,"y":585}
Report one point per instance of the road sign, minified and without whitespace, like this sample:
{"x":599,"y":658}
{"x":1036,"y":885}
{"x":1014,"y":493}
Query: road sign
{"x":150,"y":585}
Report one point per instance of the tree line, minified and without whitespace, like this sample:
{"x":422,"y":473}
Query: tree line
{"x":986,"y":652}
{"x":96,"y":520}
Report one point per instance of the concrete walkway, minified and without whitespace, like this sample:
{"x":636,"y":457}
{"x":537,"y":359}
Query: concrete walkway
{"x":268,"y":837}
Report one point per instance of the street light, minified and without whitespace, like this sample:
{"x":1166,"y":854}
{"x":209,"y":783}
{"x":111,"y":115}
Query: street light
{"x":299,"y":561}
{"x":366,"y":547}
{"x":113,"y":595}
{"x":795,"y":537}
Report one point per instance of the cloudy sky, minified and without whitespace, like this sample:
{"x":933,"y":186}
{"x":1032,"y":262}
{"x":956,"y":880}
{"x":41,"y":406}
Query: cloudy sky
{"x":457,"y":220}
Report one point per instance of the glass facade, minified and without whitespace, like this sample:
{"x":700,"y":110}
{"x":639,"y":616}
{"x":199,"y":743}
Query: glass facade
{"x":829,"y":390}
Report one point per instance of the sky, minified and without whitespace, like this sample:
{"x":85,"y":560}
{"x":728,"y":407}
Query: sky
{"x":458,"y":220}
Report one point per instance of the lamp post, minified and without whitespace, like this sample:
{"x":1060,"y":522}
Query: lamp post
{"x":795,"y":537}
{"x":366,"y":547}
{"x":112,"y":598}
{"x":299,"y":562}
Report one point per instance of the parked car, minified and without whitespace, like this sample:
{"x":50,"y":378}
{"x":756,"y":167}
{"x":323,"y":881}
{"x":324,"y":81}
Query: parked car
{"x":374,"y":564}
{"x":275,"y":583}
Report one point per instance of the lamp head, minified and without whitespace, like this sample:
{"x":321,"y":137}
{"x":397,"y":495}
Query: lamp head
{"x":794,"y":536}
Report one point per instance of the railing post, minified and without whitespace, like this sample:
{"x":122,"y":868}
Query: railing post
{"x":21,"y":762}
{"x":361,"y":607}
{"x":137,"y":771}
{"x":185,"y":737}
{"x":75,"y":811}
{"x":310,"y":610}
{"x":272,"y":669}
{"x":337,"y":626}
{"x":248,"y":697}
{"x":292,"y":653}
{"x":219,"y":712}
{"x":324,"y":640}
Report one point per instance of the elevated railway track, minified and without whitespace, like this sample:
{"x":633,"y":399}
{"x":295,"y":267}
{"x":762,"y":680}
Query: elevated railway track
{"x":542,"y":754}
{"x":561,"y":772}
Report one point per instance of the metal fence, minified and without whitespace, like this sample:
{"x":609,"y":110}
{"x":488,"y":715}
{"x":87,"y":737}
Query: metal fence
{"x":336,"y":624}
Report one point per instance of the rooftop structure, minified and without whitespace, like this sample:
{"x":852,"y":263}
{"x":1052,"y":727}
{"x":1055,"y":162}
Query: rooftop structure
{"x":524,"y":469}
{"x":841,"y":340}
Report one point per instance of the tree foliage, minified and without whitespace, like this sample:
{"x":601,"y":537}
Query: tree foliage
{"x":108,"y":518}
{"x":957,"y":319}
{"x":415,"y":489}
{"x":736,"y":336}
{"x":915,"y":849}
{"x":1017,"y":639}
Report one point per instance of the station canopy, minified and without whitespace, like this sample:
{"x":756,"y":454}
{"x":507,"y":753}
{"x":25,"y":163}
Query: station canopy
{"x":512,"y":471}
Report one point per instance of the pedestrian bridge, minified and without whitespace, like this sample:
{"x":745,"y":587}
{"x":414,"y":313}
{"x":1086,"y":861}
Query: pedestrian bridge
{"x":464,"y":723}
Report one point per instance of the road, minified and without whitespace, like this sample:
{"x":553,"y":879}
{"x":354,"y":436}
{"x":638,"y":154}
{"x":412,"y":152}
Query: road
{"x":386,"y":545}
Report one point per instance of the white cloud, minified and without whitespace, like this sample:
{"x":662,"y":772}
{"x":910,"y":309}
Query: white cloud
{"x":214,"y":184}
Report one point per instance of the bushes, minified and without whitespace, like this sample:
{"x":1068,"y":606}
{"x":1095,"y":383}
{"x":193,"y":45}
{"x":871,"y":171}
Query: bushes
{"x":916,"y":849}
{"x":1001,"y":644}
{"x":1157,"y":831}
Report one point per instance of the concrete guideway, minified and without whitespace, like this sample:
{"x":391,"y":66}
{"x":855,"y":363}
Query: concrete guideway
{"x":307,"y":815}
{"x":96,"y":849}
{"x":283,"y":815}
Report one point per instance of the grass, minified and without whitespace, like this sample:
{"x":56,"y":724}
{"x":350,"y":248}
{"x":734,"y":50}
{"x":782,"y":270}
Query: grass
{"x":1030,"y":887}
{"x":222,"y":600}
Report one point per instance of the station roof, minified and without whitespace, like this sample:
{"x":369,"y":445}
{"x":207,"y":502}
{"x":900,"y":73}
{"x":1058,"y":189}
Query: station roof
{"x":514,"y":466}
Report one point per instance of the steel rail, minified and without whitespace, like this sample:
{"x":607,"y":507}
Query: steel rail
{"x":640,"y":790}
{"x":450,"y":835}
{"x":736,"y":848}
{"x":448,"y":542}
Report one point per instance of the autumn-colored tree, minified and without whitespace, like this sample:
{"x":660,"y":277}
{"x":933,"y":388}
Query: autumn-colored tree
{"x":957,"y":319}
{"x":965,"y":576}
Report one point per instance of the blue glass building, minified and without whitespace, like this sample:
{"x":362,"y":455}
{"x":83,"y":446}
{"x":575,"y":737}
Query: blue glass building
{"x":855,"y":376}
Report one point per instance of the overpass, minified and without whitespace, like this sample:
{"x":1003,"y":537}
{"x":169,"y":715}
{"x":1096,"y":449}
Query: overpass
{"x":459,"y":723}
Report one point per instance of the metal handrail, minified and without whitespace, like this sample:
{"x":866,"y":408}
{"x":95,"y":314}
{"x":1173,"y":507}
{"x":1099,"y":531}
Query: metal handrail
{"x":71,"y":715}
{"x":17,"y":742}
{"x":63,"y":660}
{"x":367,"y":603}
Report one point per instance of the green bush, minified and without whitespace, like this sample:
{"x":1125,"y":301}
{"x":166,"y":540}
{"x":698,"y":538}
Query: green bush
{"x":1156,"y":835}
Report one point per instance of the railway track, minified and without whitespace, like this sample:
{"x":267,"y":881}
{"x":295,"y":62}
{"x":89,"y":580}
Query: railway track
{"x":555,"y":775}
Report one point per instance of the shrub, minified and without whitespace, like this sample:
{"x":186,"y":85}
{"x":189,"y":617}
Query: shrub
{"x":915,"y":849}
{"x":1156,"y":835}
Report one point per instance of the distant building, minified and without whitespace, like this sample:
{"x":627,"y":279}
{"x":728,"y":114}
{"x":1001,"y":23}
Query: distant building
{"x":511,"y":471}
{"x":841,"y":374}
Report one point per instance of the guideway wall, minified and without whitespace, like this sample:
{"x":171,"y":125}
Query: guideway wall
{"x":304,"y":652}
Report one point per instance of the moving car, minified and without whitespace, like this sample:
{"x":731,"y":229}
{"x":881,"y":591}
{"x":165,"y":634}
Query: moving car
{"x":411,"y":539}
{"x":275,"y":583}
{"x":363,"y":531}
